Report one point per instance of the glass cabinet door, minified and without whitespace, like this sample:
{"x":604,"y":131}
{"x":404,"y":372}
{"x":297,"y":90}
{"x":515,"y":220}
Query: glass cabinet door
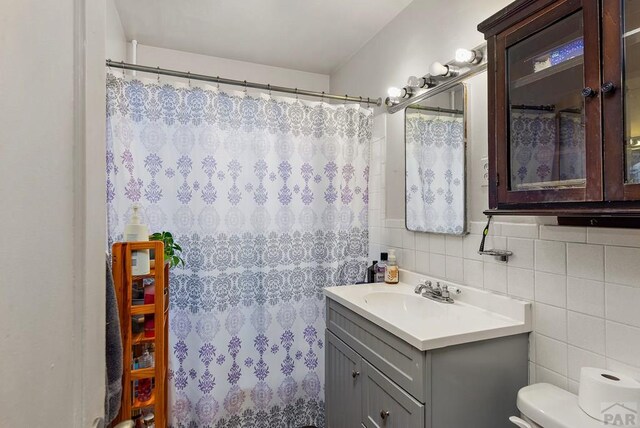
{"x":621,"y":98}
{"x":552,"y":112}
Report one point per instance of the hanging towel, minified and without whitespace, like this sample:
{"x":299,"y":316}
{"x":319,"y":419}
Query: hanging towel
{"x":113,"y":352}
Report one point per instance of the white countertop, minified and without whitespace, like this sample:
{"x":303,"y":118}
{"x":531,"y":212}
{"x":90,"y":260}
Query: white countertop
{"x":425,"y":324}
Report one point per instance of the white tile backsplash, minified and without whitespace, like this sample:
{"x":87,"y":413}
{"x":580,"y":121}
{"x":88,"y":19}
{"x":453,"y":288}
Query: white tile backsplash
{"x":550,"y":321}
{"x":551,"y":353}
{"x":437,"y":244}
{"x":622,"y":304}
{"x":551,"y":288}
{"x":551,"y":256}
{"x":585,"y":261}
{"x":520,"y":282}
{"x":522,"y":249}
{"x":623,"y":343}
{"x":586,"y":332}
{"x":585,"y":296}
{"x":455,"y":268}
{"x":622,"y":265}
{"x":563,"y":233}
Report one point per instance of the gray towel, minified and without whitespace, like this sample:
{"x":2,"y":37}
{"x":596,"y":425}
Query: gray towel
{"x":113,"y":350}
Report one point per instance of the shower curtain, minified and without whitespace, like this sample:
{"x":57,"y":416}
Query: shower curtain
{"x":268,"y":197}
{"x":435,"y":166}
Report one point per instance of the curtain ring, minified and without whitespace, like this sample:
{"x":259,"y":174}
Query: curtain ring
{"x":322,"y":97}
{"x":189,"y":78}
{"x":296,"y":94}
{"x":218,"y":83}
{"x":269,"y":88}
{"x":345,"y":99}
{"x":245,"y":87}
{"x":368,"y":102}
{"x":158,"y":68}
{"x":123,"y":75}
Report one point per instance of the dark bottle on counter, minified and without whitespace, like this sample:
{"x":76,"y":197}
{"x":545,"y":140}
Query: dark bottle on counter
{"x":371,"y":272}
{"x":381,"y":267}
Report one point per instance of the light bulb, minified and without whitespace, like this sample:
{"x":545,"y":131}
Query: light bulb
{"x":437,"y":69}
{"x":468,"y":56}
{"x":394,"y":92}
{"x":414,"y":82}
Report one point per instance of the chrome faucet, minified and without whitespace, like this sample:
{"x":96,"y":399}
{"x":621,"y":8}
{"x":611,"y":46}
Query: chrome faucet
{"x":438,"y":293}
{"x":422,"y":286}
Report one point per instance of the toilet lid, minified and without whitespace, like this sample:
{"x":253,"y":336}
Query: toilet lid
{"x":553,"y":407}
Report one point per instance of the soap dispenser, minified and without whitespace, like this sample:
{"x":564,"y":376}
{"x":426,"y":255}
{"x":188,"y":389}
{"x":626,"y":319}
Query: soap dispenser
{"x":135,"y":231}
{"x":392,"y":274}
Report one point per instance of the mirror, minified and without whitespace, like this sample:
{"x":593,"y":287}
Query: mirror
{"x":435,"y":160}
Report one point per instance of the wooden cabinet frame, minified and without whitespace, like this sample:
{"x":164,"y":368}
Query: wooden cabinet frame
{"x":606,"y":193}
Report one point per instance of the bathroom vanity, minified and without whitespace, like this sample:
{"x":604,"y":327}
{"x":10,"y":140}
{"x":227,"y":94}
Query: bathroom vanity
{"x":397,"y":359}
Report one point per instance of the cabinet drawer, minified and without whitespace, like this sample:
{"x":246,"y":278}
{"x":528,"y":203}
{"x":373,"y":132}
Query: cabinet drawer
{"x":401,"y":362}
{"x":385,"y":405}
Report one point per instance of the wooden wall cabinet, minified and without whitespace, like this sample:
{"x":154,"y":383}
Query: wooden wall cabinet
{"x":564,"y":108}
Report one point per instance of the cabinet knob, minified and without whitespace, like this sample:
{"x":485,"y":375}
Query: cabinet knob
{"x":384,"y":414}
{"x":355,"y":374}
{"x":588,"y":92}
{"x":608,"y":87}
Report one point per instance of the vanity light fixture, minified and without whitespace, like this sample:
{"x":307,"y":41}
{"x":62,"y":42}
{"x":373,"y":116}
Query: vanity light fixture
{"x":443,"y":70}
{"x":420,"y":82}
{"x":394,"y":92}
{"x":468,"y":56}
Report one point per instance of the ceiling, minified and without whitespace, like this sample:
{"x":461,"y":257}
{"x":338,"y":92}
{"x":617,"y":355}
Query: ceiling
{"x":310,"y":35}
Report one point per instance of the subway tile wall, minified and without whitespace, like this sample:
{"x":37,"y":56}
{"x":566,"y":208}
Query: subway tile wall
{"x":584,"y":282}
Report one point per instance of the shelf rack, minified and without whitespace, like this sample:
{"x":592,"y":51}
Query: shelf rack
{"x":123,"y":283}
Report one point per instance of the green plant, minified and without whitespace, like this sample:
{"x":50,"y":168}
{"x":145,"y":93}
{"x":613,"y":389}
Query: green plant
{"x":172,"y":250}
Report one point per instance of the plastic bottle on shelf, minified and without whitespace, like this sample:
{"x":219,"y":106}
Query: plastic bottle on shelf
{"x":135,"y":232}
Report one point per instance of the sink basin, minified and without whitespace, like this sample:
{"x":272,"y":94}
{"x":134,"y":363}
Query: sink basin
{"x":475,"y":315}
{"x":396,"y":303}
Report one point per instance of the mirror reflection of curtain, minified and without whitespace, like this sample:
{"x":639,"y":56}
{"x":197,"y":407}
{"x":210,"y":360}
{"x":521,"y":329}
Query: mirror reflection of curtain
{"x":572,"y":146}
{"x":435,"y":173}
{"x":533,"y":148}
{"x":546,"y":146}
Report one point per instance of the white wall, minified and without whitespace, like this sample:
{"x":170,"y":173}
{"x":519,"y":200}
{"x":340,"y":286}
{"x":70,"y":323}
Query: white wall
{"x":424,"y":32}
{"x":116,"y":42}
{"x":583,"y":281}
{"x":52,"y":216}
{"x":240,"y":70}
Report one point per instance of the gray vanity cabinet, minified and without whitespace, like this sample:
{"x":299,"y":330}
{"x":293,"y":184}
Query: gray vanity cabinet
{"x":376,"y":380}
{"x":385,"y":404}
{"x":343,"y":384}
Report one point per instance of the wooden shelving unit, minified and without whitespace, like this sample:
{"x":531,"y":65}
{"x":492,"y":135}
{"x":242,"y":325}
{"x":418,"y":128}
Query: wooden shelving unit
{"x":124,"y":283}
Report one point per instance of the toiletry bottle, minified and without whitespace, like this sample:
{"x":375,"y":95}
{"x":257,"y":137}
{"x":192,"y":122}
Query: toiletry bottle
{"x":381,"y":267}
{"x":371,"y":272}
{"x":392,"y":274}
{"x":135,"y":232}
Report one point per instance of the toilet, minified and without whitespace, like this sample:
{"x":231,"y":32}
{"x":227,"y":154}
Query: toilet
{"x":543,"y":405}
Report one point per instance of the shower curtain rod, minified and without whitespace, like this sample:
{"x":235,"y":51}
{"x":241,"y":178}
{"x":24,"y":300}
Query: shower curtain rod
{"x":243,"y":83}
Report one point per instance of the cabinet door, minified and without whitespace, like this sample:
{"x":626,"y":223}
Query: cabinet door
{"x":343,"y":384}
{"x":385,"y":404}
{"x":548,"y":122}
{"x":621,"y":98}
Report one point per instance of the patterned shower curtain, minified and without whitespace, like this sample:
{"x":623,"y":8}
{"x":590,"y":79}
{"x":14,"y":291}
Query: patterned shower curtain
{"x":435,"y":165}
{"x":268,"y":197}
